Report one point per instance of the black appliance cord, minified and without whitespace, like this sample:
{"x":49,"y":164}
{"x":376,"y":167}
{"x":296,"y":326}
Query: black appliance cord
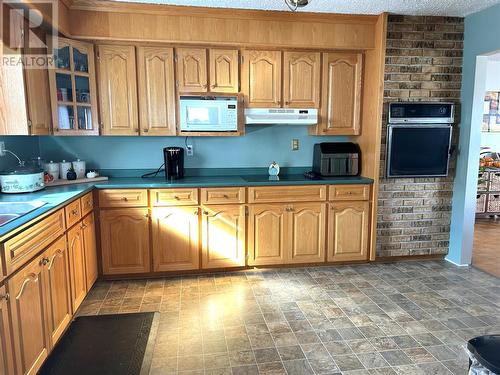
{"x":155,"y":173}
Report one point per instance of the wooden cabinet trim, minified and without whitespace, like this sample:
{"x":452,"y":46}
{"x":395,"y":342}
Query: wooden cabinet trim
{"x":19,"y":249}
{"x":123,"y":198}
{"x":6,"y":344}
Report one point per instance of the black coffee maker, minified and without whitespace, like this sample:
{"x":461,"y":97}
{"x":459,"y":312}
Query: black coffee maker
{"x":174,"y":162}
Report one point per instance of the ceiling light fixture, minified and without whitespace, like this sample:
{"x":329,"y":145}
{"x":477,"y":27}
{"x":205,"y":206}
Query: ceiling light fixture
{"x":296,"y":4}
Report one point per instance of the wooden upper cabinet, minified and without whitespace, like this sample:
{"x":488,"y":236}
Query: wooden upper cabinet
{"x":6,"y":359}
{"x":175,"y":232}
{"x":267,"y":234}
{"x":192,"y":69}
{"x":77,"y":266}
{"x":157,"y":100}
{"x":261,"y":78}
{"x":224,"y":68}
{"x":117,"y":84}
{"x":341,"y":95}
{"x":38,"y":101}
{"x":348,"y":231}
{"x":125,"y":241}
{"x":223,"y":236}
{"x":30,"y":331}
{"x":73,"y":89}
{"x":301,"y":79}
{"x":58,"y":289}
{"x":308,"y":229}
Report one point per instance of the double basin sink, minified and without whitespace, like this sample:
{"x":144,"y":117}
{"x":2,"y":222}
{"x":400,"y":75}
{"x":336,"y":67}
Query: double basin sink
{"x":12,"y":210}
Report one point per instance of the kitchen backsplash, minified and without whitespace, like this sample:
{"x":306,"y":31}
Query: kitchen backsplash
{"x":257,"y":148}
{"x":25,"y":147}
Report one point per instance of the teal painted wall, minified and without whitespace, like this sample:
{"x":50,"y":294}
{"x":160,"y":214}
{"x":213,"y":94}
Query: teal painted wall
{"x":257,"y":148}
{"x":481,"y":37}
{"x":25,"y":147}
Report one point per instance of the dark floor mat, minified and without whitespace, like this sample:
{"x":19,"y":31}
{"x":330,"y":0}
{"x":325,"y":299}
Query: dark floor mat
{"x":105,"y":344}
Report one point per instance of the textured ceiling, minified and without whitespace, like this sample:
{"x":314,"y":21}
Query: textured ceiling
{"x":412,"y":7}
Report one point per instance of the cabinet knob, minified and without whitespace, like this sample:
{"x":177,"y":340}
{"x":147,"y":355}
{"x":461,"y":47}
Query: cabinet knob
{"x":205,"y":213}
{"x":136,"y":130}
{"x":83,"y":226}
{"x":5,"y":296}
{"x":145,"y":130}
{"x":226,"y":196}
{"x":125,"y":199}
{"x":44,"y":261}
{"x":177,"y":198}
{"x":74,"y":212}
{"x":146,"y":215}
{"x":195,"y":212}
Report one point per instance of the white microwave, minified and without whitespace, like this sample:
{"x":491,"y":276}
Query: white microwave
{"x":209,"y":113}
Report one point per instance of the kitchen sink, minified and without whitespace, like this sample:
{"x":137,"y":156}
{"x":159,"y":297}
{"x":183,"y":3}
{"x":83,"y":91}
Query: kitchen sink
{"x":12,"y":210}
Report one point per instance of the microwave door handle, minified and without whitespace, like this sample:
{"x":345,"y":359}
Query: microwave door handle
{"x":348,"y":165}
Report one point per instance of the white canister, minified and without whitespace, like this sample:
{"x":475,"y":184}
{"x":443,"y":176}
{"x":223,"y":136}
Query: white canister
{"x":64,"y":167}
{"x":79,"y":167}
{"x":52,"y":169}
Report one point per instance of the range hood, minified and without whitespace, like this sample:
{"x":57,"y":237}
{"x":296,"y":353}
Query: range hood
{"x":285,"y":116}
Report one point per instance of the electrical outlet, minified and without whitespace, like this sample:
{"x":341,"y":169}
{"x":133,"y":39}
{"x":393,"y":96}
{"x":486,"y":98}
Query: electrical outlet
{"x":295,"y":144}
{"x":2,"y":148}
{"x":189,"y":150}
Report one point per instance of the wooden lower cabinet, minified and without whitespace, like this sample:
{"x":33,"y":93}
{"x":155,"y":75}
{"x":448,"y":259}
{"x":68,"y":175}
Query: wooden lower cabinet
{"x":57,"y":286}
{"x":28,"y":309}
{"x":77,"y":266}
{"x":90,"y":251}
{"x":307,"y":233}
{"x":267,"y":234}
{"x":348,"y":229}
{"x":125,"y":241}
{"x":6,"y":358}
{"x":175,"y":236}
{"x":223,"y":236}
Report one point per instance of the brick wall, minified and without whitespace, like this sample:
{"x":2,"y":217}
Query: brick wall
{"x":423,"y":63}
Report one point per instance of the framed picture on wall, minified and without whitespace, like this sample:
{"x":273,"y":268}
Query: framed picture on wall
{"x":491,"y":112}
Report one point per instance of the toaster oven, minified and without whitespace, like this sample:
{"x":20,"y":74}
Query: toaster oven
{"x":337,"y":159}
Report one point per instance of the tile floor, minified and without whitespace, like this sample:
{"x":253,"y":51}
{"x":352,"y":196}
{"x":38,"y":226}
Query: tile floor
{"x":486,"y":252}
{"x":399,"y":318}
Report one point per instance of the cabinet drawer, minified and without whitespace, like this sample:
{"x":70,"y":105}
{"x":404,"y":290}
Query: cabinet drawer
{"x":223,"y":195}
{"x":123,"y":198}
{"x":87,"y":203}
{"x":19,"y":249}
{"x":174,"y":197}
{"x":349,"y":193}
{"x":287,"y":194}
{"x":73,"y":213}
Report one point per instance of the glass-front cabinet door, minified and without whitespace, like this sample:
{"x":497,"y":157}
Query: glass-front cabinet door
{"x":73,"y":89}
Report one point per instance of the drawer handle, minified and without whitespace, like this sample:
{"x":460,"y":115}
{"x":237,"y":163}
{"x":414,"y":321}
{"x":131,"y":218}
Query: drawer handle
{"x":44,"y":261}
{"x":195,"y":212}
{"x":349,"y":192}
{"x":177,"y":198}
{"x":226,"y":196}
{"x":5,"y":296}
{"x":74,"y":212}
{"x":125,"y":199}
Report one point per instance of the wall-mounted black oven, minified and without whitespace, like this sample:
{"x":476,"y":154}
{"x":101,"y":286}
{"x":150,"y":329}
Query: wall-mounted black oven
{"x":419,"y":139}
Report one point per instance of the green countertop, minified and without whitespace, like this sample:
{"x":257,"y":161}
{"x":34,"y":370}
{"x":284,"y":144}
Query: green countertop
{"x":58,"y":196}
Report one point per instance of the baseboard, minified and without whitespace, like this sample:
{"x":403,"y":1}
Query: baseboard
{"x":399,"y":258}
{"x":456,"y":264}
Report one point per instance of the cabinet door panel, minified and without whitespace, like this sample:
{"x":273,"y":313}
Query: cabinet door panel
{"x":58,"y":289}
{"x":117,"y":90}
{"x":261,"y":78}
{"x":348,"y":231}
{"x":268,"y":233}
{"x":77,"y":266}
{"x":192,"y":69}
{"x":38,"y":101}
{"x":342,"y":77}
{"x":156,"y":90}
{"x":307,"y":233}
{"x":6,"y":358}
{"x":223,"y":233}
{"x":28,"y":313}
{"x":125,"y":241}
{"x":301,"y":79}
{"x":224,"y":70}
{"x":89,"y":242}
{"x":175,"y":239}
